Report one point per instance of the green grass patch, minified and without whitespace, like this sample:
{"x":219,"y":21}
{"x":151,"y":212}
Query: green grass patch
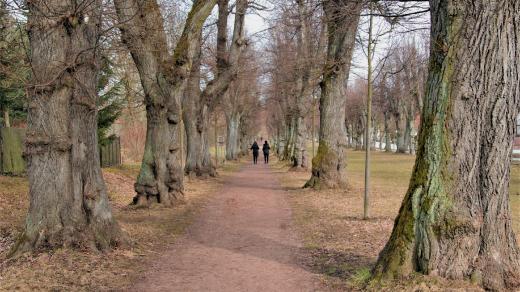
{"x":361,"y":277}
{"x":128,"y":170}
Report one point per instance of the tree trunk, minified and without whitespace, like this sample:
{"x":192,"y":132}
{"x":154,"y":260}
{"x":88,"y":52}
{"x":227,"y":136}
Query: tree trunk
{"x":196,"y":123}
{"x":68,"y":200}
{"x":245,"y":141}
{"x":455,"y":219}
{"x":7,"y":119}
{"x":277,"y":141}
{"x":328,"y":167}
{"x":227,"y":70}
{"x":400,"y":126}
{"x":350,"y":142}
{"x":279,"y":149}
{"x":407,"y":138}
{"x":374,"y":130}
{"x":299,"y":156}
{"x":388,"y":140}
{"x":303,"y":86}
{"x":198,"y":158}
{"x":381,"y":139}
{"x":289,"y":138}
{"x":163,"y":78}
{"x":232,"y":147}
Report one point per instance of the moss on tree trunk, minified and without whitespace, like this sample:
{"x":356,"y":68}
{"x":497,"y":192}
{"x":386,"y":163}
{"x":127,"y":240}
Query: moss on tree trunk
{"x":11,"y":148}
{"x":455,"y":220}
{"x":328,"y":167}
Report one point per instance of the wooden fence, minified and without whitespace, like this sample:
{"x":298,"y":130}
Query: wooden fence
{"x":110,"y":153}
{"x":11,"y":151}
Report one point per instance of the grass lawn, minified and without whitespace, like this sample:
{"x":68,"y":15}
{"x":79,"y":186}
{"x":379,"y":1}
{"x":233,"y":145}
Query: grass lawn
{"x":339,"y":244}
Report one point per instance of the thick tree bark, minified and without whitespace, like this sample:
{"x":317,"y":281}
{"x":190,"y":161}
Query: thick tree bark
{"x":68,"y":200}
{"x":455,"y":220}
{"x":196,"y":123}
{"x":163,"y":78}
{"x":328,"y":167}
{"x":198,"y":159}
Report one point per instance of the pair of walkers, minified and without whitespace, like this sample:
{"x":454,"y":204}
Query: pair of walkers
{"x":265,"y":150}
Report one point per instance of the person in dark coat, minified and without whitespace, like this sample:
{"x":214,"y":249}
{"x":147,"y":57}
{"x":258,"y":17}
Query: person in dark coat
{"x":255,"y":149}
{"x":266,"y":149}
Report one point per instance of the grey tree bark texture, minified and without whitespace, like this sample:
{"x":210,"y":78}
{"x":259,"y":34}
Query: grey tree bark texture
{"x":69,"y":206}
{"x":164,"y":78}
{"x":328,"y":166}
{"x":303,"y":87}
{"x":232,"y":137}
{"x":455,"y":220}
{"x":196,"y":124}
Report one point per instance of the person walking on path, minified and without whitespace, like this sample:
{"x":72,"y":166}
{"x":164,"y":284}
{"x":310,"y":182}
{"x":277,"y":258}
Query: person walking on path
{"x":255,"y":149}
{"x":266,"y":149}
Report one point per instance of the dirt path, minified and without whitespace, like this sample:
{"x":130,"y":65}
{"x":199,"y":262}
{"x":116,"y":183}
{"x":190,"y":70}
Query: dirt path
{"x":242,"y":241}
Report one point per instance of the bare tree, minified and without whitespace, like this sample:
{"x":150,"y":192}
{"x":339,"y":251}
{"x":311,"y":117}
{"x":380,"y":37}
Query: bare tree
{"x":328,"y":167}
{"x":163,"y":77}
{"x":295,"y":69}
{"x":199,"y":104}
{"x":240,"y":105}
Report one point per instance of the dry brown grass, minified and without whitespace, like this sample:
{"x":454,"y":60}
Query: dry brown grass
{"x":150,"y":230}
{"x":340,"y":245}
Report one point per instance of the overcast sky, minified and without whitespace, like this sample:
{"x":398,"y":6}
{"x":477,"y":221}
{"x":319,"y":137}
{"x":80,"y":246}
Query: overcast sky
{"x":256,"y":25}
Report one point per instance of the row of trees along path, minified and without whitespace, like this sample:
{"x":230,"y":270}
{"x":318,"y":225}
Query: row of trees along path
{"x":455,"y":219}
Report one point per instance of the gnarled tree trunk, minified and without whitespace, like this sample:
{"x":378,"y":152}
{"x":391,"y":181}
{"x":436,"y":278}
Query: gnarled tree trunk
{"x":68,"y":199}
{"x":196,"y":123}
{"x":328,"y":167}
{"x":163,"y":78}
{"x":455,"y":220}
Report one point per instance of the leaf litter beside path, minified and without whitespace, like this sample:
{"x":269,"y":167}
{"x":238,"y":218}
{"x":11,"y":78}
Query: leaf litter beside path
{"x":338,"y":244}
{"x":151,"y":230}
